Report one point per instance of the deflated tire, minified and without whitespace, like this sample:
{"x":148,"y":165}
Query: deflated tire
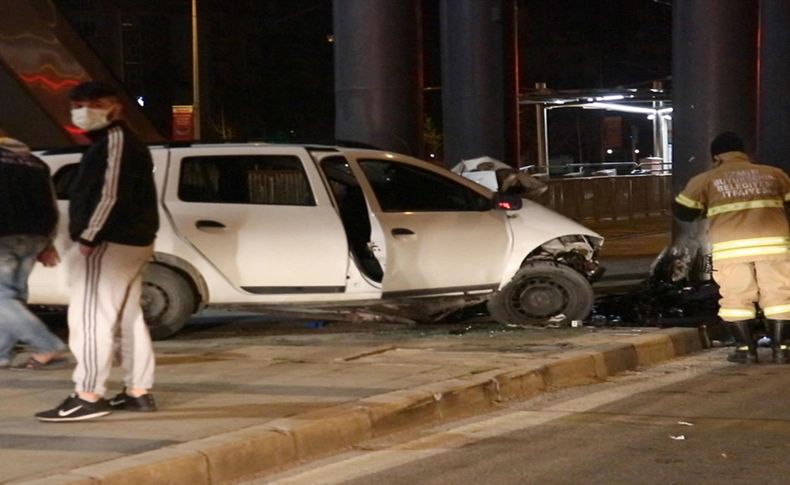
{"x":543,"y":293}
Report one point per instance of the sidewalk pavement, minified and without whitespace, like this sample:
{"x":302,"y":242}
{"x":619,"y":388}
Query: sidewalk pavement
{"x":236,"y":405}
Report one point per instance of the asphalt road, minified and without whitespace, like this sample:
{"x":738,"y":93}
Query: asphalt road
{"x":697,"y":420}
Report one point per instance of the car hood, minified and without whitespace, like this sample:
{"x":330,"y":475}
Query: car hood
{"x":542,"y":223}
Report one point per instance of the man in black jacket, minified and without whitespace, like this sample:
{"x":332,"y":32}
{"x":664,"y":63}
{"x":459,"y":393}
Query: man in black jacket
{"x":28,"y":217}
{"x":113,"y":220}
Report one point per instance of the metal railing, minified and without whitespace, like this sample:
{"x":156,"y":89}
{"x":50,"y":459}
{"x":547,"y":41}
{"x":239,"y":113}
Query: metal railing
{"x":621,"y":197}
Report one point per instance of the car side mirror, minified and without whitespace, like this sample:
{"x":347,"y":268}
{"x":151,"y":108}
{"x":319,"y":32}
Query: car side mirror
{"x":508,"y":202}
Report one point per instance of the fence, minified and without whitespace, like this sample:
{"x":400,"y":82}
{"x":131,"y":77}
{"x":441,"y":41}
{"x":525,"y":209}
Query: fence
{"x":622,"y":197}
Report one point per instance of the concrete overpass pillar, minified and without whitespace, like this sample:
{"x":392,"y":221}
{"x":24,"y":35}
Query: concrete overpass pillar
{"x":714,"y":81}
{"x":472,"y":79}
{"x":714,"y":65}
{"x":378,"y":76}
{"x":773,"y":105}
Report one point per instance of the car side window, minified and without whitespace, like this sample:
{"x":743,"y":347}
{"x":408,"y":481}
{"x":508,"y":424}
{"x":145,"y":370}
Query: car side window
{"x":245,"y":179}
{"x":400,"y":187}
{"x":63,"y":179}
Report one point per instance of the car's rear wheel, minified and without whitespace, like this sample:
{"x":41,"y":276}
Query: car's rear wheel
{"x":168,"y":300}
{"x":543,"y":293}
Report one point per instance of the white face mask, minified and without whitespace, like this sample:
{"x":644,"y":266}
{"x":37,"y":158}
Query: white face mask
{"x":90,"y":119}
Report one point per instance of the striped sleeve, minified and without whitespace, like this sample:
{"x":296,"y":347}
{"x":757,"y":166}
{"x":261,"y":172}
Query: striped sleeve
{"x":686,"y":201}
{"x":109,"y":194}
{"x":694,"y":195}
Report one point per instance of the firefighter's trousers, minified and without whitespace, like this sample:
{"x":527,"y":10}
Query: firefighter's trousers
{"x":741,"y":285}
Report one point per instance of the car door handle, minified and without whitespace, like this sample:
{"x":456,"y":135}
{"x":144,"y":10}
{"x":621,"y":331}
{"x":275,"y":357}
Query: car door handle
{"x":402,"y":231}
{"x":206,"y":224}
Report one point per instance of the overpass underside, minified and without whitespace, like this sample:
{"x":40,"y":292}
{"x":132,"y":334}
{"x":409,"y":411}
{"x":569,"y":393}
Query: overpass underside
{"x":41,"y":58}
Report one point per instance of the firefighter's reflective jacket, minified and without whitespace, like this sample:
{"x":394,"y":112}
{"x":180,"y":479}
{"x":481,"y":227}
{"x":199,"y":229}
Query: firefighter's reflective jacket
{"x":745,"y":205}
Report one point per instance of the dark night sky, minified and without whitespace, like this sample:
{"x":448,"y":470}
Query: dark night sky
{"x":574,"y":44}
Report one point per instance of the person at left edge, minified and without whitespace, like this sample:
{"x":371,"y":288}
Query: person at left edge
{"x":28,"y":219}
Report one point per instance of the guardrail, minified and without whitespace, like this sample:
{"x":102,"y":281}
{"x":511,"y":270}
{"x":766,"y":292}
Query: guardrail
{"x":621,"y":197}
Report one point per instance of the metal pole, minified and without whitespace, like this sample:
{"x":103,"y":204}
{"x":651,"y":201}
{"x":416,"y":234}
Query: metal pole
{"x":541,"y":132}
{"x":666,"y":128}
{"x":658,"y":146}
{"x":656,"y":132}
{"x":663,"y":127}
{"x":512,"y":122}
{"x":195,"y":74}
{"x":472,"y":79}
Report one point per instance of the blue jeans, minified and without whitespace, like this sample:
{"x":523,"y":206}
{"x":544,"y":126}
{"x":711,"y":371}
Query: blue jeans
{"x":17,"y":257}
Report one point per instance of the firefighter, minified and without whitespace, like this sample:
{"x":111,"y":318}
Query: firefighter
{"x":745,"y":204}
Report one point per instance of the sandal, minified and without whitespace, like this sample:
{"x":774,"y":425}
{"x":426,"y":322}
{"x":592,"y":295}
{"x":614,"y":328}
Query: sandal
{"x":33,"y":364}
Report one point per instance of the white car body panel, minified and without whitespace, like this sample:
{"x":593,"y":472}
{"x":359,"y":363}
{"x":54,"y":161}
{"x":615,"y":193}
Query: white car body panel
{"x":444,"y":251}
{"x":447,"y":251}
{"x":265,"y":249}
{"x":307,"y":249}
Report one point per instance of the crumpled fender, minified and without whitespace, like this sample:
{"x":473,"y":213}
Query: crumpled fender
{"x":534,"y":225}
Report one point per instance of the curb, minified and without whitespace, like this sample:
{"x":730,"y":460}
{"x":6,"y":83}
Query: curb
{"x":265,"y":448}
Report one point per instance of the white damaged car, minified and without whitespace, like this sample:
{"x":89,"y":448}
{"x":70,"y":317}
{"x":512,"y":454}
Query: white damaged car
{"x":344,"y":232}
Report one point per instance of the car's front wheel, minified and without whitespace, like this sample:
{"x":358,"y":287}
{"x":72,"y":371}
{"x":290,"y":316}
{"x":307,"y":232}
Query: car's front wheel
{"x":543,"y":293}
{"x":168,"y":300}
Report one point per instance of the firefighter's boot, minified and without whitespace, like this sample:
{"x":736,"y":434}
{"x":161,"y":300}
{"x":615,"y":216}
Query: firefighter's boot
{"x":745,"y":346}
{"x":779,"y":331}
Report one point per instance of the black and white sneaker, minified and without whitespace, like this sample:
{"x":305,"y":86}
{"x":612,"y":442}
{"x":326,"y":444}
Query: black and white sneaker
{"x":125,"y":402}
{"x":75,"y":409}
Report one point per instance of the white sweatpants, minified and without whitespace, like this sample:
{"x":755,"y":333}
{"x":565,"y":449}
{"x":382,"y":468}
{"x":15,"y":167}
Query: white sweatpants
{"x":105,"y":295}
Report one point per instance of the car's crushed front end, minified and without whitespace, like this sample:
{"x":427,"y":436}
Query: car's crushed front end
{"x":576,"y":251}
{"x":539,"y":233}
